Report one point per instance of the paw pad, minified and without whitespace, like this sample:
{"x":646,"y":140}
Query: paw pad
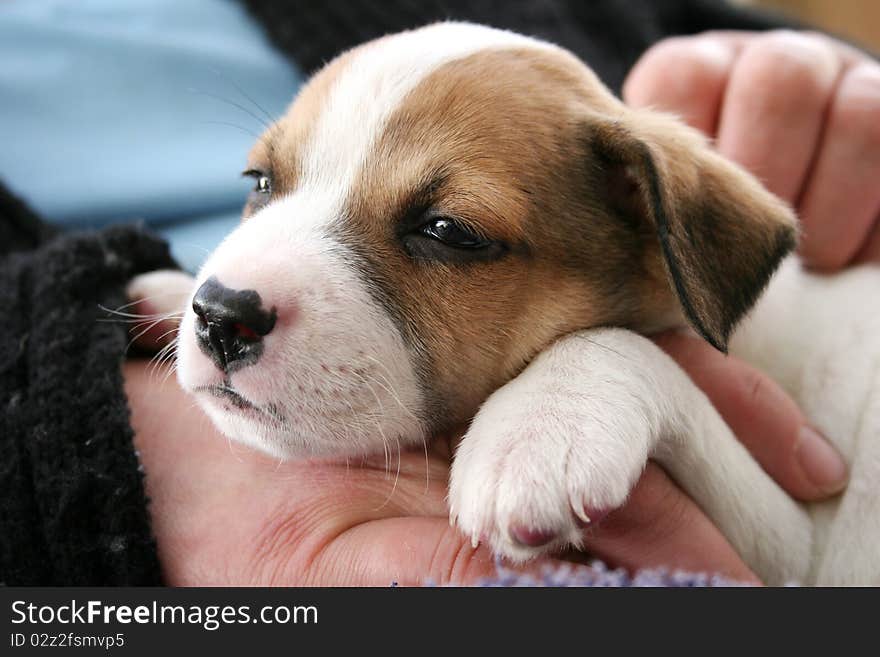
{"x":531,"y":537}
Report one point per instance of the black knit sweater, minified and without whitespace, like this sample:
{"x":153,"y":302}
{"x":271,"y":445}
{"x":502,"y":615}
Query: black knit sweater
{"x":607,"y":34}
{"x":73,"y":509}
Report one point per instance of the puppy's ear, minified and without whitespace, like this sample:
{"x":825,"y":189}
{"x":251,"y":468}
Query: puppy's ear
{"x":720,"y":234}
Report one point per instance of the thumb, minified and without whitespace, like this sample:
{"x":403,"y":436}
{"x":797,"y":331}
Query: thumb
{"x":763,"y":417}
{"x":157,"y":301}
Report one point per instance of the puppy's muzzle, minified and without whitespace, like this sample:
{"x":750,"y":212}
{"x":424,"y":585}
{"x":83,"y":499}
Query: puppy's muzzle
{"x":231,"y":324}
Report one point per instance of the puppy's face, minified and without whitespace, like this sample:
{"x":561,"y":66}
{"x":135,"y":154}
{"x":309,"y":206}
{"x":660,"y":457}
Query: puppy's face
{"x":434,"y":209}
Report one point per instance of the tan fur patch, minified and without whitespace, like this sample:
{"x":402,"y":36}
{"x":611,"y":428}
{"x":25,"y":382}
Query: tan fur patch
{"x":500,"y":130}
{"x":504,"y":141}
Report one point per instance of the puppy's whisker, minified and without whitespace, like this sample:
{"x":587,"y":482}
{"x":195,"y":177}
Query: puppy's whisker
{"x":167,"y":355}
{"x":141,"y":333}
{"x":171,"y":372}
{"x":145,"y":331}
{"x":238,"y":88}
{"x":390,"y":388}
{"x":375,"y":420}
{"x":157,"y":360}
{"x":381,"y":431}
{"x":357,"y":422}
{"x":135,"y":317}
{"x":603,"y":346}
{"x":137,"y":323}
{"x":238,"y":106}
{"x":157,"y":368}
{"x":229,"y":124}
{"x":170,"y":331}
{"x":137,"y":301}
{"x":427,"y":465}
{"x":396,"y":477}
{"x":161,"y":359}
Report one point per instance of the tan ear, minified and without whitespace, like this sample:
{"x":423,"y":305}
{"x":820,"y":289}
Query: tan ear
{"x":721,"y":235}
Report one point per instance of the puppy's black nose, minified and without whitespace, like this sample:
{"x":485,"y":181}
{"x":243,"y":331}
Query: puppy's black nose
{"x":231,"y":324}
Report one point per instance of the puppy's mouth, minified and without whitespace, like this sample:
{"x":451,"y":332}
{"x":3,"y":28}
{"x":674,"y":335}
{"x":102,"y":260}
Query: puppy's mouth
{"x":225,"y":392}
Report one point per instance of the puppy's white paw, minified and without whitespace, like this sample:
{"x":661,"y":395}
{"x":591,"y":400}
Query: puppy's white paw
{"x":544,"y":459}
{"x":157,"y":302}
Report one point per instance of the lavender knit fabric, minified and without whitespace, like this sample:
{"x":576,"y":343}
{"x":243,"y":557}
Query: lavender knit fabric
{"x":598,"y":575}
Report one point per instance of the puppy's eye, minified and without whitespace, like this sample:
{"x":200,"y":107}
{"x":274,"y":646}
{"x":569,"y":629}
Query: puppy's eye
{"x":261,"y":193}
{"x":438,"y":238}
{"x":263,"y":183}
{"x":453,"y":234}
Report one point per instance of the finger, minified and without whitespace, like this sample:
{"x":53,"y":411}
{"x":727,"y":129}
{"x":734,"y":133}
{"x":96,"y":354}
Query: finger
{"x":157,"y":301}
{"x":683,"y":75}
{"x":409,"y":552}
{"x":763,"y":417}
{"x":870,"y":252}
{"x":661,"y":527}
{"x":842,"y":198}
{"x":774,"y":106}
{"x":739,"y":39}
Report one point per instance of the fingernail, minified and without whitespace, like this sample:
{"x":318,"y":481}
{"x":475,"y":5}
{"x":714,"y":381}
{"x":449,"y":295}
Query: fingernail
{"x":820,"y":462}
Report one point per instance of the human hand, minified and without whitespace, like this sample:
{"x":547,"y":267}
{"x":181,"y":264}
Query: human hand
{"x":801,"y":111}
{"x":223,"y":514}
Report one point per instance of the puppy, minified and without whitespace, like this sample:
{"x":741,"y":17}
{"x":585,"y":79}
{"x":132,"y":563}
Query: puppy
{"x":459,"y":225}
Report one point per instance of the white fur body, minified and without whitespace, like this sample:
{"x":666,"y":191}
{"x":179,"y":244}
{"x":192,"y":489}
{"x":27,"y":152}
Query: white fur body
{"x":578,"y":425}
{"x":819,"y":337}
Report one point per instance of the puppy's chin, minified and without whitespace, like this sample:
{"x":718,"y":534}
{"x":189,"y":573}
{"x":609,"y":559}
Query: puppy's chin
{"x":312,"y":435}
{"x":250,"y":428}
{"x":307,"y":426}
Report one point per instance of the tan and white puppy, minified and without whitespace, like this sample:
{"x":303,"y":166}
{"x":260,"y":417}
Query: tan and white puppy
{"x":462,"y":225}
